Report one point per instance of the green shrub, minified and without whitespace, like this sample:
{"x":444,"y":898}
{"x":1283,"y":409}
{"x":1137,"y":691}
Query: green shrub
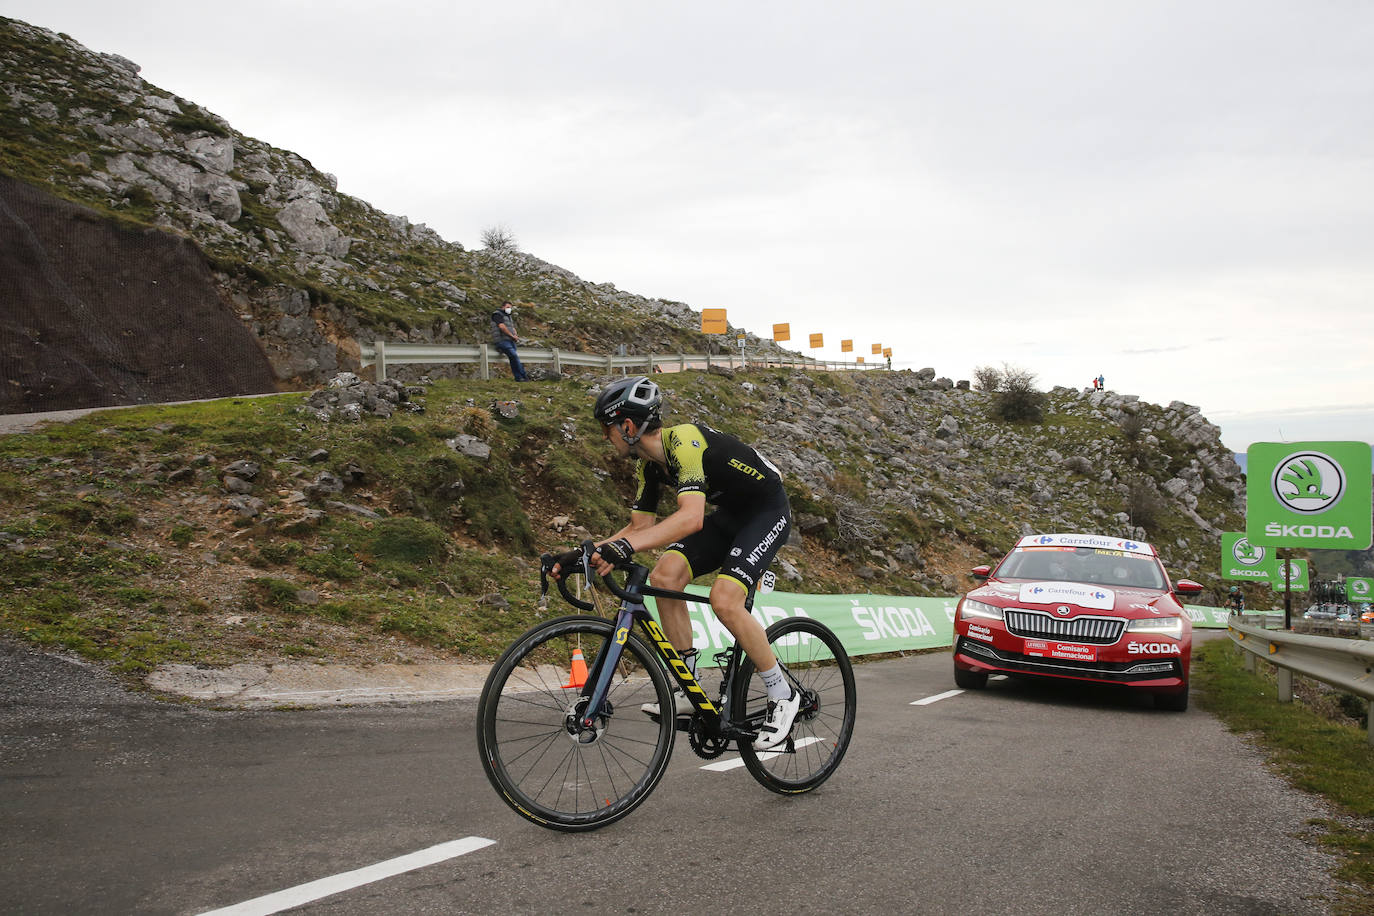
{"x":280,"y":553}
{"x":269,"y":593}
{"x":1144,"y":504}
{"x":409,"y":540}
{"x":195,"y":121}
{"x":332,"y":565}
{"x":1017,"y":399}
{"x":93,"y":512}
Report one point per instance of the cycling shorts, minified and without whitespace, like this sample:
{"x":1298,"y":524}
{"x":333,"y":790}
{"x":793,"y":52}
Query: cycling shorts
{"x":741,"y":545}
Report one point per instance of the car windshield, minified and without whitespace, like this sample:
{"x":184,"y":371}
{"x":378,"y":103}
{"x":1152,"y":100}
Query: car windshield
{"x":1114,"y":568}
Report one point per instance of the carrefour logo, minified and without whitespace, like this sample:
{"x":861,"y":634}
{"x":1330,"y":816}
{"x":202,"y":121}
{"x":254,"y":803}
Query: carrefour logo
{"x":1308,"y":482}
{"x":1247,"y":554}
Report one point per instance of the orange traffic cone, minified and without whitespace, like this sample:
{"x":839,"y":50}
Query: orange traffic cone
{"x":578,"y":676}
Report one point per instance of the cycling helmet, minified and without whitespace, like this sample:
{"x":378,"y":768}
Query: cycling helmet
{"x":637,"y":399}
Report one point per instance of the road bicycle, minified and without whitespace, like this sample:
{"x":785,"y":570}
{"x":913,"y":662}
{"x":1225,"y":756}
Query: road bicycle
{"x":562,"y":732}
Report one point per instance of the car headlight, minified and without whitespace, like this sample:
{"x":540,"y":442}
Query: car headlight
{"x":1158,"y":626}
{"x":971,"y":608}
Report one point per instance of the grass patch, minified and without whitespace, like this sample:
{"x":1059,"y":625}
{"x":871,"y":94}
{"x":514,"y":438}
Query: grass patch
{"x":334,"y":565}
{"x":409,"y":540}
{"x":1315,"y":754}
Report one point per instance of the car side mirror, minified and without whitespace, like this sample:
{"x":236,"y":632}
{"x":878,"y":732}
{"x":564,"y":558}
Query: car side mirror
{"x":1188,"y":587}
{"x":980,"y":572}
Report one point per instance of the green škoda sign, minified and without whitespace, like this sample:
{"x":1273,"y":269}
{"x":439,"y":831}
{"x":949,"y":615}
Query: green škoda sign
{"x":1359,"y":589}
{"x":1299,"y":574}
{"x":1240,"y":559}
{"x":1309,"y":494}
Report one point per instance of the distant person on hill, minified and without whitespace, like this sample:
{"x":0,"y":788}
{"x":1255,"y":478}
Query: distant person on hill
{"x":1101,"y":382}
{"x":504,"y":336}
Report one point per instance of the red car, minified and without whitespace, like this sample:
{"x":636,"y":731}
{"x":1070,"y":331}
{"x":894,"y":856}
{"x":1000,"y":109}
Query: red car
{"x":1078,"y":607}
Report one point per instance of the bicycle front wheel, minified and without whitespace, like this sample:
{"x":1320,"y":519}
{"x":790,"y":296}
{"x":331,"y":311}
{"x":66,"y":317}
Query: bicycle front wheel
{"x":545,"y":767}
{"x":818,"y":666}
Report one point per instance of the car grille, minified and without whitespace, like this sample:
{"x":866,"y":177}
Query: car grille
{"x":1095,"y":631}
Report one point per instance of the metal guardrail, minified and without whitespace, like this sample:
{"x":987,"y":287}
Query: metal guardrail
{"x":1346,"y":664}
{"x":382,"y":355}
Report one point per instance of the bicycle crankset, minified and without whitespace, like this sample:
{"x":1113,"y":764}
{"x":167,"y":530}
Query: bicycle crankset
{"x":704,"y":745}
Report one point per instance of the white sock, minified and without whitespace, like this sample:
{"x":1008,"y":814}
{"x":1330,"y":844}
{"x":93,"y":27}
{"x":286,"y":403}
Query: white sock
{"x":778,"y":688}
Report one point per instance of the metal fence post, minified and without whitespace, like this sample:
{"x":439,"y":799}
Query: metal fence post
{"x":1285,"y":678}
{"x":379,"y":347}
{"x":483,"y":364}
{"x":557,"y":362}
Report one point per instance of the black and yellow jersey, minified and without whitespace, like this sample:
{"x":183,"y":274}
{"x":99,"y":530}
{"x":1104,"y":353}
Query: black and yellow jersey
{"x":703,"y":460}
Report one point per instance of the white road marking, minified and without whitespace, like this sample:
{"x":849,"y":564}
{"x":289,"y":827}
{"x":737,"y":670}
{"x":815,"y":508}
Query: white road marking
{"x":325,"y":887}
{"x":734,"y":763}
{"x":937,"y":698}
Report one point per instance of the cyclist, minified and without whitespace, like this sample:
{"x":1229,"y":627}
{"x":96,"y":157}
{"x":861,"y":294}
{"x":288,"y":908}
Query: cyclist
{"x":751,"y":522}
{"x":1236,"y":600}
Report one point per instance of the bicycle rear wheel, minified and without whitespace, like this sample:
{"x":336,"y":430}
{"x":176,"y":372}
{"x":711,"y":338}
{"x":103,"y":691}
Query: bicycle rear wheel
{"x":541,"y":764}
{"x":818,"y":666}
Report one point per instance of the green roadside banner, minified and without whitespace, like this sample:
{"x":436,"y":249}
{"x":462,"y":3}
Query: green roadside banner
{"x":1241,"y":559}
{"x":1359,"y":589}
{"x":865,"y":624}
{"x":1309,"y":494}
{"x":1210,"y":618}
{"x":1298,"y":571}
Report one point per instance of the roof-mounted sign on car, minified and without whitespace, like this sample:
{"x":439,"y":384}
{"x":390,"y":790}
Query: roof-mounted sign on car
{"x":1095,"y":541}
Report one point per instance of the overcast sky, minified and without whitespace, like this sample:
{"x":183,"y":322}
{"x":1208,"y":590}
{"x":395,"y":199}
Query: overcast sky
{"x":1179,"y":196}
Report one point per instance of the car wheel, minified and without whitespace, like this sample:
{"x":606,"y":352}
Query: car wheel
{"x":970,"y":680}
{"x":1173,"y":702}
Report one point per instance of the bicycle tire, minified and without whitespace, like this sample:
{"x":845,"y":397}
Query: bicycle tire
{"x":531,"y":756}
{"x":816,"y":662}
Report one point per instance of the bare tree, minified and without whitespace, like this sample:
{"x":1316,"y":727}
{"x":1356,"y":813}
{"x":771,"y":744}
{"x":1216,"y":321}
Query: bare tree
{"x":498,"y":238}
{"x":987,"y":378}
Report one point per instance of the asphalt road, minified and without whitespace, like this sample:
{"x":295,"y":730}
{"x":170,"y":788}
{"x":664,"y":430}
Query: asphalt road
{"x":1017,"y":799}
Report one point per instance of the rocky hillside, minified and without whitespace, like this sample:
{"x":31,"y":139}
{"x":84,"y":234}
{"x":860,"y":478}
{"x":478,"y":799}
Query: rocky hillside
{"x":393,"y":521}
{"x":310,"y":272}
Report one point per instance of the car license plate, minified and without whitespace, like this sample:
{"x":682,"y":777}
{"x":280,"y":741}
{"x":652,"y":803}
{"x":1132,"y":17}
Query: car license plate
{"x":1044,"y":649}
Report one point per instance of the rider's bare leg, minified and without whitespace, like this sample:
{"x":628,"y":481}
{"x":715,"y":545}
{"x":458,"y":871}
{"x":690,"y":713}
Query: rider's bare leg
{"x":672,"y":572}
{"x":727,"y":600}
